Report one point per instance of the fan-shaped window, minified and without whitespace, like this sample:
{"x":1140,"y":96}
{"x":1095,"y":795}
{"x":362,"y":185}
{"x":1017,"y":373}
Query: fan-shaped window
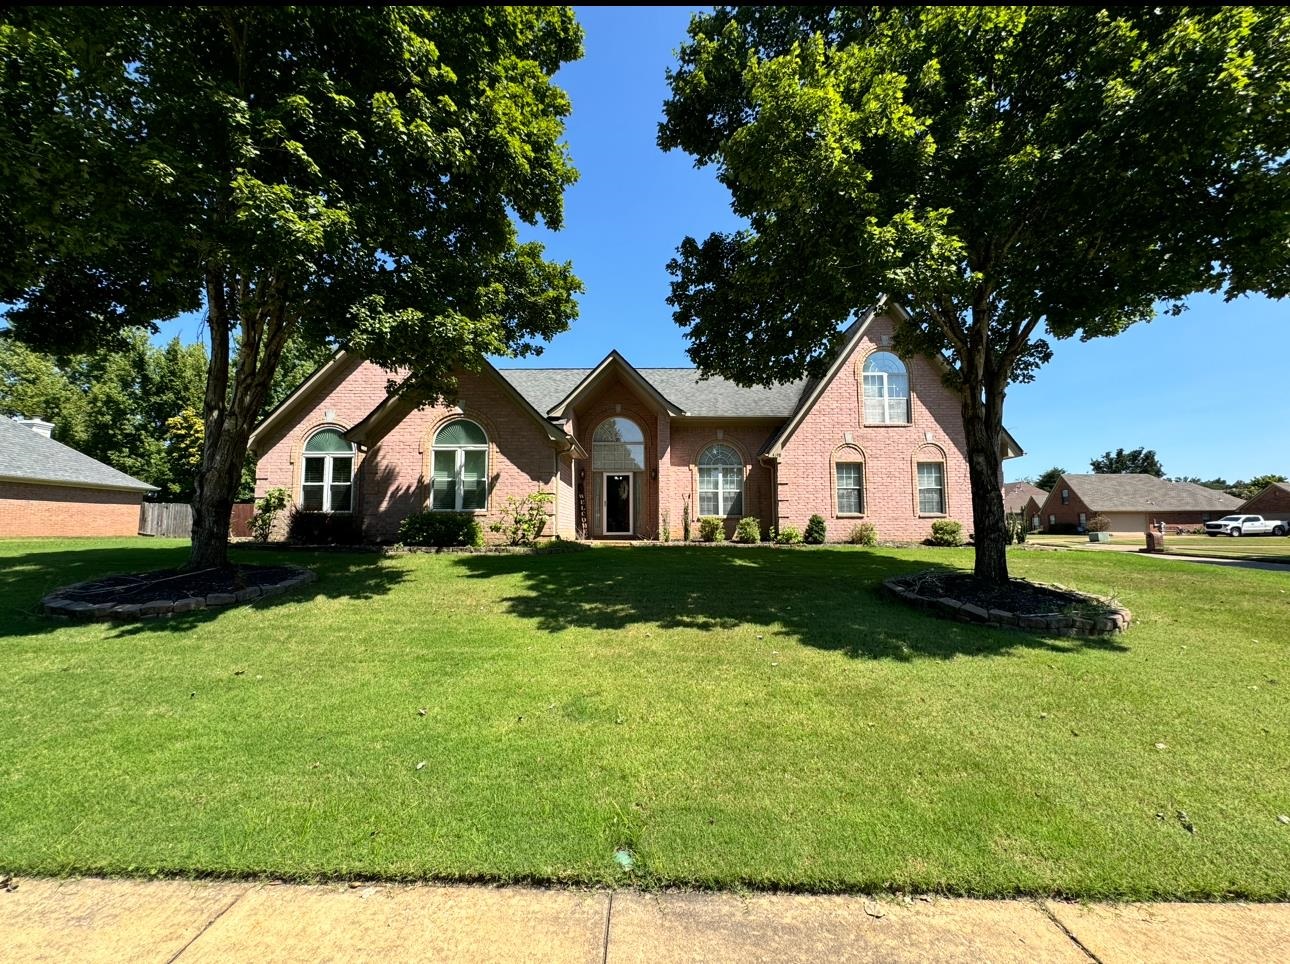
{"x":886,"y":390}
{"x":460,"y":467}
{"x":328,"y":481}
{"x":721,"y":481}
{"x":618,"y":445}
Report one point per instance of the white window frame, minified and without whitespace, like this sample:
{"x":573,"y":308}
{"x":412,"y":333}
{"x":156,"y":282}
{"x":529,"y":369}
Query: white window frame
{"x":327,"y":479}
{"x":459,"y":468}
{"x":837,"y":490}
{"x":886,"y":398}
{"x":920,"y":487}
{"x":720,"y":489}
{"x":631,"y":504}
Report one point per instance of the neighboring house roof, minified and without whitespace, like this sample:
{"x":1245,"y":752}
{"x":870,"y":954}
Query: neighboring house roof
{"x":1272,"y":487}
{"x":692,"y":395}
{"x":27,"y":456}
{"x":1144,"y":493}
{"x":1016,"y":495}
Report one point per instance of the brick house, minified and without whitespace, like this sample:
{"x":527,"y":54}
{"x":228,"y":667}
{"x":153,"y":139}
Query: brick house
{"x":49,"y":489}
{"x":1272,"y":503}
{"x":1131,"y":503}
{"x":1025,"y":500}
{"x":878,"y":439}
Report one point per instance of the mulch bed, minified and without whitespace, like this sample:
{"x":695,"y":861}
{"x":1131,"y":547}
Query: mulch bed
{"x":146,"y":587}
{"x":1020,"y":597}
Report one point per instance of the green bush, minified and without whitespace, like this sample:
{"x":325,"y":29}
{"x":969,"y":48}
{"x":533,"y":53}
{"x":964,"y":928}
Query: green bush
{"x":522,"y":520}
{"x":748,"y":530}
{"x":1015,"y":525}
{"x":947,"y":532}
{"x":712,"y":529}
{"x":863,"y":534}
{"x":266,"y":512}
{"x":815,"y":530}
{"x":441,"y":529}
{"x":788,"y":536}
{"x":324,"y":528}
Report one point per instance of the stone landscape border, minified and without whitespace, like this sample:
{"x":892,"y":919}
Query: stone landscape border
{"x":1115,"y":618}
{"x":56,"y":605}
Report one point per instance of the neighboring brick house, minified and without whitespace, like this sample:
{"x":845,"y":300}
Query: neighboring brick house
{"x":1025,"y":500}
{"x":1272,"y":503}
{"x":48,"y":489}
{"x":878,"y":439}
{"x":1131,"y":503}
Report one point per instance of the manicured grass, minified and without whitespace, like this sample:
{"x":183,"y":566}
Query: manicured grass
{"x":734,"y":717}
{"x":1254,"y":548}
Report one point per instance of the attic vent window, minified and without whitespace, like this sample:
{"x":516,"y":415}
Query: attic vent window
{"x":1066,"y":496}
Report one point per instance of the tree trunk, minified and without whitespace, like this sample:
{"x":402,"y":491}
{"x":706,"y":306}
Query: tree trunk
{"x":983,"y":427}
{"x":231,"y":407}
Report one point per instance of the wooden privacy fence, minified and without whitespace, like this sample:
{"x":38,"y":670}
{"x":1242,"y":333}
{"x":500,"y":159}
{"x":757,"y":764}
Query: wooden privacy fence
{"x":175,"y":519}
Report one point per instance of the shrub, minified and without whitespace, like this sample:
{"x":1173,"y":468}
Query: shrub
{"x":522,"y":520}
{"x":324,"y":528}
{"x":815,"y":530}
{"x":712,"y":529}
{"x":665,"y":529}
{"x":441,"y":529}
{"x":266,"y":512}
{"x":947,"y":532}
{"x":748,"y":530}
{"x":863,"y":534}
{"x":685,"y":518}
{"x":1099,"y":523}
{"x":788,"y":536}
{"x":1015,"y":526}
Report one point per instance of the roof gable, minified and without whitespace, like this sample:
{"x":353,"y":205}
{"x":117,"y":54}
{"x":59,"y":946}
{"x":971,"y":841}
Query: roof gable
{"x":613,"y":363}
{"x":28,"y":456}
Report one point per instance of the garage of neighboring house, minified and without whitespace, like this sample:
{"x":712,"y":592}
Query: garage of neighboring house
{"x":49,"y":489}
{"x":1130,"y":503}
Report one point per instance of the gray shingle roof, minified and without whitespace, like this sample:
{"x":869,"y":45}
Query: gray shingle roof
{"x":32,"y":457}
{"x":1144,"y":493}
{"x":1017,"y":494}
{"x":712,"y":397}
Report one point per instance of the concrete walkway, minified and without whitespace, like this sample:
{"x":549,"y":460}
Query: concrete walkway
{"x":118,"y":920}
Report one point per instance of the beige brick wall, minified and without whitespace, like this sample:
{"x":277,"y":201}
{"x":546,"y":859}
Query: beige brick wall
{"x":32,"y":509}
{"x":889,"y":452}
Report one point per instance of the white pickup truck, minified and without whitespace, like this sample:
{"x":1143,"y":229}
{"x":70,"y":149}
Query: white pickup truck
{"x":1246,"y":525}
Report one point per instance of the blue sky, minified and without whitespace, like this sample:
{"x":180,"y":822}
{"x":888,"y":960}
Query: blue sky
{"x":1207,"y":391}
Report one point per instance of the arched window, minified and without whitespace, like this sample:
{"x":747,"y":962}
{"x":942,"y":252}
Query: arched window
{"x":618,"y":445}
{"x":886,"y":390}
{"x":721,"y":481}
{"x":328,"y":481}
{"x":460,"y":467}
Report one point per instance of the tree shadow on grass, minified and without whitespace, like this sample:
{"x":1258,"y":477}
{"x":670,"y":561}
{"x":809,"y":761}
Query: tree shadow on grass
{"x":827,"y":598}
{"x":26,"y":577}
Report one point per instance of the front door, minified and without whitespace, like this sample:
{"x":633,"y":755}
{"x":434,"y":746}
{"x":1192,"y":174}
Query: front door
{"x":618,"y":505}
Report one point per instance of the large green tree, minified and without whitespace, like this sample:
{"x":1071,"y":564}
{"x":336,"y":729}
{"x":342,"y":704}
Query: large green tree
{"x":346,"y":175}
{"x":1005,"y":172}
{"x":1141,"y":461}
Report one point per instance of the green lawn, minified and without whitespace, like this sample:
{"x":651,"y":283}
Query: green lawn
{"x":734,"y":717}
{"x":1253,"y":548}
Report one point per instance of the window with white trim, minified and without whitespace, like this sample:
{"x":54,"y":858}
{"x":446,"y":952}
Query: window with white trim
{"x":886,"y":390}
{"x":327,"y":484}
{"x":618,"y":445}
{"x":721,"y":481}
{"x":848,"y":477}
{"x":931,"y":488}
{"x":460,"y":468}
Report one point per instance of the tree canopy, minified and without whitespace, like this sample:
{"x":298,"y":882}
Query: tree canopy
{"x":344,"y":175}
{"x":1008,"y":173}
{"x":1140,"y":461}
{"x":1048,"y":481}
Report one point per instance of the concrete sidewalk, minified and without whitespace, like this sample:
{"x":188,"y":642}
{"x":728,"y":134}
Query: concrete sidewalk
{"x":118,"y":920}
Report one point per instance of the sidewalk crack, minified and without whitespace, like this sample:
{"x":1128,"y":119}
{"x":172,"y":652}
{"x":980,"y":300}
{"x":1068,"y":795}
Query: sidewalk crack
{"x":227,"y":907}
{"x":1043,"y":907}
{"x":609,"y":916}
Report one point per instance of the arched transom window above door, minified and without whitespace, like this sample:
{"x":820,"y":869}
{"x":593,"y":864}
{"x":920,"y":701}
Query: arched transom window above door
{"x":721,"y":481}
{"x":327,"y":484}
{"x":618,"y":445}
{"x":886,"y":390}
